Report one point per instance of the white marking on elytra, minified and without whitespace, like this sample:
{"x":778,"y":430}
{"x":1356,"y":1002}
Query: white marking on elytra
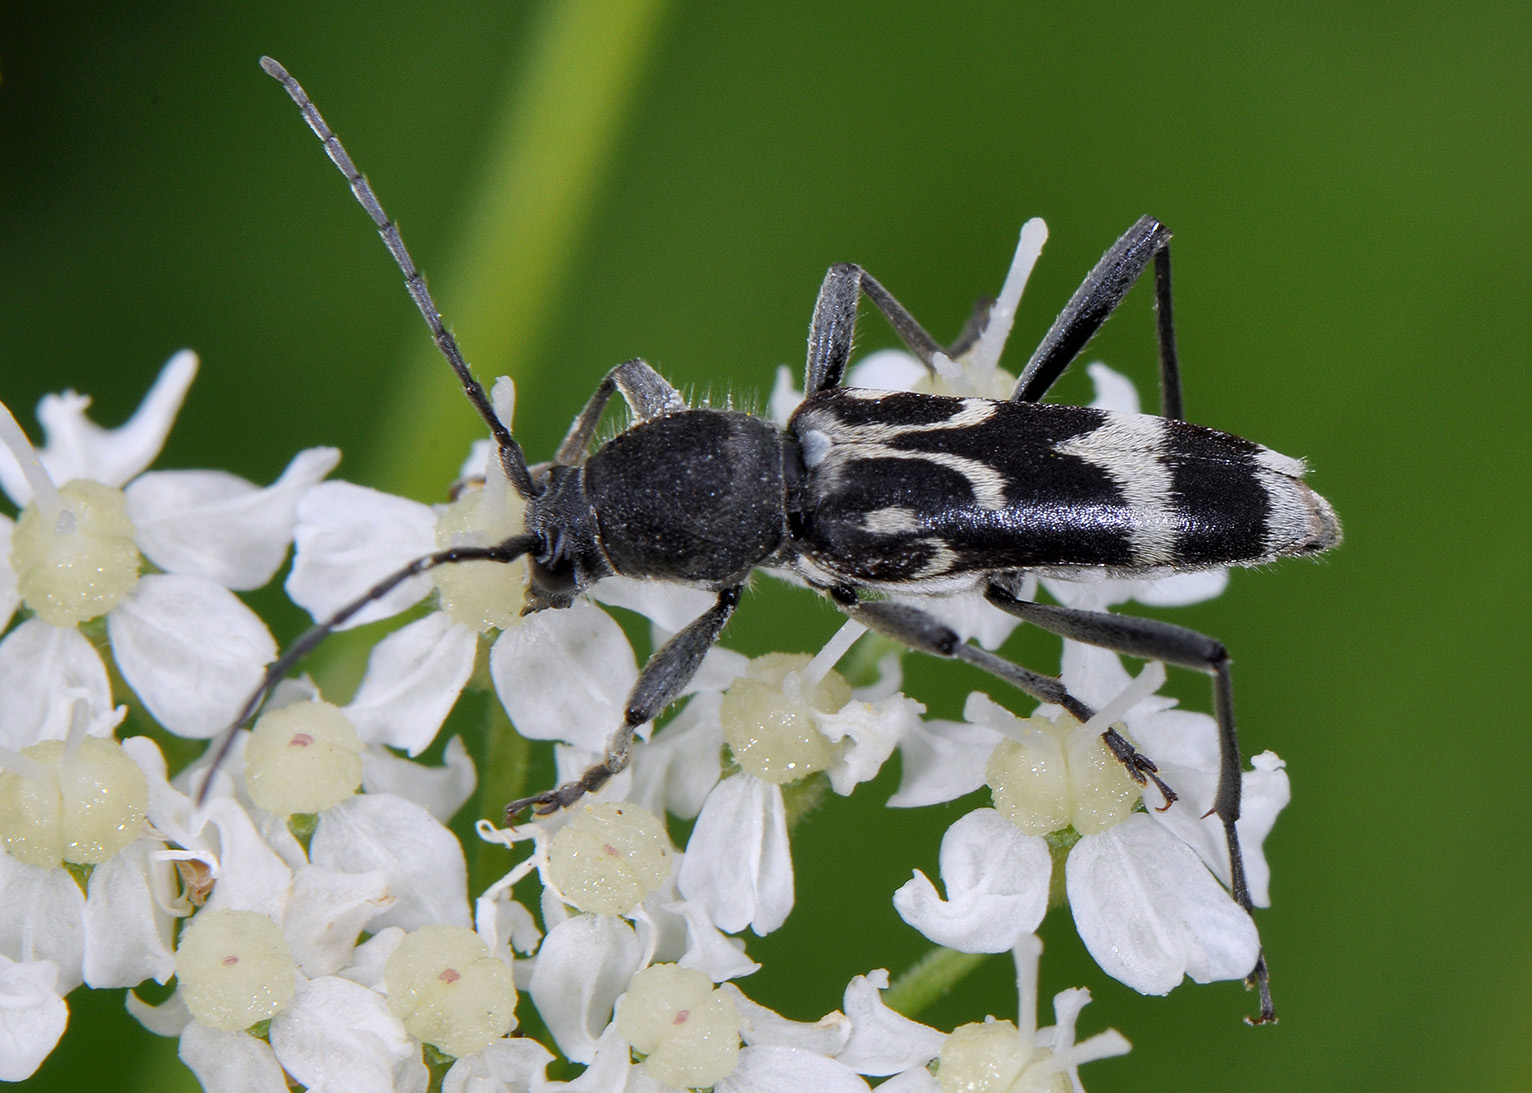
{"x":1130,"y":448}
{"x":1294,"y":520}
{"x":1282,"y":464}
{"x":891,"y":521}
{"x":830,"y":444}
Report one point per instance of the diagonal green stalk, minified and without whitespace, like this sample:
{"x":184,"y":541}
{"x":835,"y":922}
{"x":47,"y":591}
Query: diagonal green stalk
{"x":547,"y":156}
{"x":929,"y":979}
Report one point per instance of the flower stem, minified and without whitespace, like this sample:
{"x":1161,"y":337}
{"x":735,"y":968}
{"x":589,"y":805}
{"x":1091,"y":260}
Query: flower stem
{"x":931,"y":978}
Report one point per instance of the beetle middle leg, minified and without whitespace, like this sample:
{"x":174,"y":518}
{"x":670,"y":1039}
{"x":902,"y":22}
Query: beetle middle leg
{"x":912,"y":627}
{"x":661,"y":682}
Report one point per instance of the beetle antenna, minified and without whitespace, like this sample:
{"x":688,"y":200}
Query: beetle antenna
{"x":277,"y":670}
{"x":511,"y":457}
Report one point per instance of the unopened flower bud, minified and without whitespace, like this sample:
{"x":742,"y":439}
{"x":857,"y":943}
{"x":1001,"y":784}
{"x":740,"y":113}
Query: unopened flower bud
{"x":77,"y":562}
{"x":481,"y":595}
{"x":609,"y":857}
{"x":1051,"y":775}
{"x":449,"y":991}
{"x":304,"y":757}
{"x":234,"y":969}
{"x":80,"y":804}
{"x":688,"y":1030}
{"x":770,"y":729}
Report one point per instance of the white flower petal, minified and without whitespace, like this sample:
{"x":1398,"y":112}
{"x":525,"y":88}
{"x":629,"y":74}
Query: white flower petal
{"x":1150,"y":912}
{"x":785,"y":396}
{"x":370,"y":958}
{"x":738,"y":863}
{"x":872,"y":731}
{"x":585,"y":962}
{"x":337,"y":1035}
{"x":327,"y":911}
{"x":79,"y":448}
{"x":942,"y":761}
{"x":669,"y":606}
{"x":44,"y":919}
{"x":441,"y":791}
{"x":347,"y":539}
{"x":883,"y":1042}
{"x":9,"y":597}
{"x":565,"y":675}
{"x":414,"y":676}
{"x":423,"y":860}
{"x":248,"y":875}
{"x":506,"y":1066}
{"x":715,"y":954}
{"x":217,"y":525}
{"x":612,"y":1069}
{"x":1180,"y":589}
{"x":789,"y":1070}
{"x":43,"y":668}
{"x":127,"y":932}
{"x":1114,"y":391}
{"x":231,"y":1062}
{"x":887,"y":370}
{"x":765,"y":1027}
{"x":32,"y":1016}
{"x":190,"y":650}
{"x":970,"y":614}
{"x":679,"y":766}
{"x":996,"y":879}
{"x":169,"y":1018}
{"x":918,"y":1080}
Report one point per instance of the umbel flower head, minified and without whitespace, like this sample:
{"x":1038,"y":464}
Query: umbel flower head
{"x":328,"y":935}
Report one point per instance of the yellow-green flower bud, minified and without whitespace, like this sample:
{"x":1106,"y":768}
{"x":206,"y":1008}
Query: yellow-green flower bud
{"x":688,"y":1030}
{"x":234,"y":969}
{"x":609,"y":857}
{"x":78,"y":562}
{"x":449,"y":991}
{"x":304,"y":757}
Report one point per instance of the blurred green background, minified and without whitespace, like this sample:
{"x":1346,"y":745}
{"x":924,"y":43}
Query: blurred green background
{"x":1349,"y":187}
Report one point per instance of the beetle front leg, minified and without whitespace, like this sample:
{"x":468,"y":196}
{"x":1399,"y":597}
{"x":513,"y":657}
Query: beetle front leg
{"x":661,"y":682}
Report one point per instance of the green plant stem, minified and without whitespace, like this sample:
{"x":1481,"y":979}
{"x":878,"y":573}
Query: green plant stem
{"x":931,"y":978}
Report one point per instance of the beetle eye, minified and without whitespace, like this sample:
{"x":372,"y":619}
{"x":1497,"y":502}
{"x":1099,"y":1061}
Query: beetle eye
{"x":557,"y":578}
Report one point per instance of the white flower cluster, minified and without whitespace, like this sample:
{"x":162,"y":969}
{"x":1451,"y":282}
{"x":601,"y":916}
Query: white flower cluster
{"x":312,"y":909}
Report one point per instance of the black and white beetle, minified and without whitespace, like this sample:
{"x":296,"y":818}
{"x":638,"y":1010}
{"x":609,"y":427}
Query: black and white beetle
{"x":870,"y":493}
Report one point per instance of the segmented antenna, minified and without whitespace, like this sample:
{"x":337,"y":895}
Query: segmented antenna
{"x":511,"y":457}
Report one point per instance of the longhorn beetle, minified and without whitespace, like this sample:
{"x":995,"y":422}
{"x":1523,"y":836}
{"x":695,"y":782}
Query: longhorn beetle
{"x":867,"y":494}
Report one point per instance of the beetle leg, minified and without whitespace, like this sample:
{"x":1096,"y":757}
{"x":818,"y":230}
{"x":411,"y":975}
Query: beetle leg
{"x":834,"y":324}
{"x":1152,"y":639}
{"x":1095,"y":300}
{"x":661,"y":682}
{"x":648,"y":395}
{"x":508,"y":551}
